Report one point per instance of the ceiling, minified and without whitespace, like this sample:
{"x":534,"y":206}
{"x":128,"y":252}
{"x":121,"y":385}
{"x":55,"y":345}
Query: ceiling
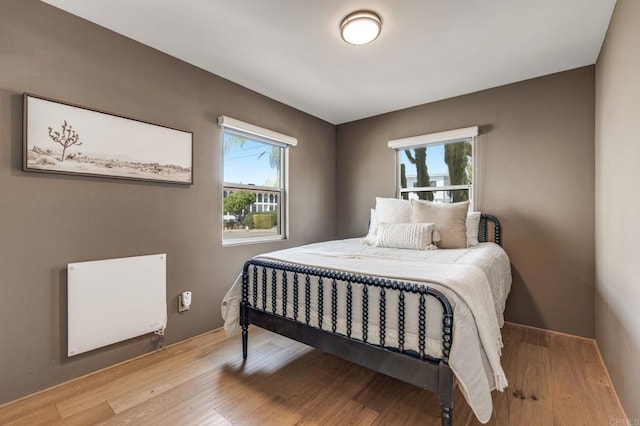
{"x":291,"y":50}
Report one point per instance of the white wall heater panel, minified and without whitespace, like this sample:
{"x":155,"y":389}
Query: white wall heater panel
{"x":114,"y":300}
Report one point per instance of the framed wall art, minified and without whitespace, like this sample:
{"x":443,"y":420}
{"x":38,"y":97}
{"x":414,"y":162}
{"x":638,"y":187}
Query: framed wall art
{"x":69,"y":139}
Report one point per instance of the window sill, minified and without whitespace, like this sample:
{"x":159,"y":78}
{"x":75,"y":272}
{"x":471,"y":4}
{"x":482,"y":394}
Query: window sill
{"x":256,"y":240}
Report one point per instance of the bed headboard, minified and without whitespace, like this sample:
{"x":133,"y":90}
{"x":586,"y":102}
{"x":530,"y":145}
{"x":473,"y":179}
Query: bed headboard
{"x":482,"y":232}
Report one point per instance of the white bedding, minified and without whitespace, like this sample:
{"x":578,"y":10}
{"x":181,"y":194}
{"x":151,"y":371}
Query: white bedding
{"x":476,"y":281}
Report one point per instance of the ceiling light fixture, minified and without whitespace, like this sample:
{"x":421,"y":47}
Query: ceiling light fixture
{"x":360,"y":27}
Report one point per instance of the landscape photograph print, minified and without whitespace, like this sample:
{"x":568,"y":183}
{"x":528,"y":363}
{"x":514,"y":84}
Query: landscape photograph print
{"x":68,"y":139}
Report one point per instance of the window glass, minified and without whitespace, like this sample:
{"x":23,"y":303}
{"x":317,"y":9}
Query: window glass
{"x":440,"y":171}
{"x":251,"y":162}
{"x":253,"y":188}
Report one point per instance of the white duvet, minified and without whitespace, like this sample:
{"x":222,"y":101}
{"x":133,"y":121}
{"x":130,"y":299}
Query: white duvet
{"x":476,"y":281}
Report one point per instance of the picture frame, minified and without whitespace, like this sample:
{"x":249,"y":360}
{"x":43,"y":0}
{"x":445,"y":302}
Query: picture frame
{"x":63,"y":138}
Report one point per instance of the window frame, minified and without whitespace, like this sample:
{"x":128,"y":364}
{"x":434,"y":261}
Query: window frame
{"x":266,"y":136}
{"x":441,"y":138}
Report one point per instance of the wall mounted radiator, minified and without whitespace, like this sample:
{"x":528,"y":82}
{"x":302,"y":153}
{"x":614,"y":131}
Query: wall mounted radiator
{"x":116,"y":299}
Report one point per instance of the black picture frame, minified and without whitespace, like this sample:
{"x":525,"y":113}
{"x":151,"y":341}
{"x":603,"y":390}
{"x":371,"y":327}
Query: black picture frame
{"x":69,"y":139}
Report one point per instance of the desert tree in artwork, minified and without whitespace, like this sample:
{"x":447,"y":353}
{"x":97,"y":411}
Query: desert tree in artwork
{"x":68,"y":137}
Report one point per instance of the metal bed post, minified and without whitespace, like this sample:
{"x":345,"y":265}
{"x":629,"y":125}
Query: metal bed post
{"x":445,"y":374}
{"x":244,"y":313}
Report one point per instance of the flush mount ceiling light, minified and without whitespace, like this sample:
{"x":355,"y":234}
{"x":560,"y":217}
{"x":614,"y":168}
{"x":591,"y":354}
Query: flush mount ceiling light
{"x":360,"y":27}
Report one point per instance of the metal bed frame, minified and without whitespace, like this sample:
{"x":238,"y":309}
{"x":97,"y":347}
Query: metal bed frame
{"x":416,"y":368}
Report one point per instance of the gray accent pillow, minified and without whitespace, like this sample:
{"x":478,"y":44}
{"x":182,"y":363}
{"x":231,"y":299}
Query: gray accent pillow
{"x":450,"y":220}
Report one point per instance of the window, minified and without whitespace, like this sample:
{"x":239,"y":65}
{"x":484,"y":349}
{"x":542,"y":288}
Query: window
{"x":437,"y":167}
{"x":254,"y":182}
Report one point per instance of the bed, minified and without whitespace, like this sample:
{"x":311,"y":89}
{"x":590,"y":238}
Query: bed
{"x":392,"y":310}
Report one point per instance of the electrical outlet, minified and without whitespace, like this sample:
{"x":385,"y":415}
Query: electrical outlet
{"x":184,"y":301}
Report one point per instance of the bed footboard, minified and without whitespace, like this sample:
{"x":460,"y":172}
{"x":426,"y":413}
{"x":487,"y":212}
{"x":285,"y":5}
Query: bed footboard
{"x":339,"y":337}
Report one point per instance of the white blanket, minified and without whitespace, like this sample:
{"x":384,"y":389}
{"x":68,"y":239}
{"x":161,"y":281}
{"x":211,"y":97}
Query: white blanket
{"x":475,"y":354}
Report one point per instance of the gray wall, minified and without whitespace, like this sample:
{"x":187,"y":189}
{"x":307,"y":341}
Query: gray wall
{"x":536,"y":165}
{"x":617,"y":227}
{"x":48,"y":220}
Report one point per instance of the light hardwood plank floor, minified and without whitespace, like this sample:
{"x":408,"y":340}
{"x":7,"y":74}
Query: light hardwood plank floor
{"x":554,"y":379}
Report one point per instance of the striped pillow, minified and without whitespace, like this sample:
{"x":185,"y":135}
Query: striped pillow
{"x":413,"y":236}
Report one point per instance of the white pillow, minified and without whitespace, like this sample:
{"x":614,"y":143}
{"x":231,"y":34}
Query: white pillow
{"x":370,"y":239}
{"x":413,"y":236}
{"x":393,"y":210}
{"x":473,"y":224}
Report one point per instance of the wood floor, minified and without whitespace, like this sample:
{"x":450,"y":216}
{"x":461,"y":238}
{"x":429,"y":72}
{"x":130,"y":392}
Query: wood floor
{"x":554,"y":380}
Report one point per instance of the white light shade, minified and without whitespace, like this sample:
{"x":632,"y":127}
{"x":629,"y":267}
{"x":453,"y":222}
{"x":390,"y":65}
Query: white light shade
{"x":360,"y":27}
